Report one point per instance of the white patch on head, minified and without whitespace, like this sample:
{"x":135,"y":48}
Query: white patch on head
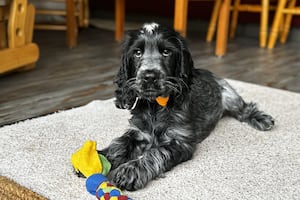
{"x":150,"y":27}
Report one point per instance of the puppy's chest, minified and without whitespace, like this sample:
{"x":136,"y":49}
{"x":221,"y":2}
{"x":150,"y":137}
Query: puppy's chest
{"x":157,"y":122}
{"x":158,"y":125}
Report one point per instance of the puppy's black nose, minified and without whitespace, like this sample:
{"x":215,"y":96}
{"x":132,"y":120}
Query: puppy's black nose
{"x":150,"y":76}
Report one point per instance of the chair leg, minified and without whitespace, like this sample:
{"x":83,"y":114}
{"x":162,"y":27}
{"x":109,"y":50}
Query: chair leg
{"x":234,"y":19}
{"x":213,"y":21}
{"x":264,"y":23}
{"x":16,"y":24}
{"x":276,"y":23}
{"x":180,"y":16}
{"x":86,"y":13}
{"x":72,"y":27}
{"x":29,"y":26}
{"x":287,"y":23}
{"x":222,"y":33}
{"x":119,"y":19}
{"x":281,"y":24}
{"x":83,"y":13}
{"x":3,"y":31}
{"x":29,"y":23}
{"x":79,"y":8}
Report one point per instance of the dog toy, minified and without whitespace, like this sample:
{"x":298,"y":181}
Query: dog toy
{"x":98,"y":185}
{"x":162,"y":101}
{"x":95,"y":167}
{"x":87,"y":161}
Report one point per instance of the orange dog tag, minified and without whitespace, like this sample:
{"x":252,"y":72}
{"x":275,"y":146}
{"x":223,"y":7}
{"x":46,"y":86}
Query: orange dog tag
{"x":162,"y":101}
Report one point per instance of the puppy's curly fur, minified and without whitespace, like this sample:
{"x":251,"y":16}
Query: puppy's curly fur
{"x":156,"y":62}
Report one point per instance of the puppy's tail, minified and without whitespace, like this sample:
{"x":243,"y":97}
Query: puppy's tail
{"x":236,"y":107}
{"x":254,"y":117}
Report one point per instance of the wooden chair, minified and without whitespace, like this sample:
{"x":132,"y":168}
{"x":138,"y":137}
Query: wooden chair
{"x":263,"y":8}
{"x":119,"y":19}
{"x":284,"y":13}
{"x":220,"y":19}
{"x":79,"y":9}
{"x":16,"y":30}
{"x":75,"y":12}
{"x":181,"y":13}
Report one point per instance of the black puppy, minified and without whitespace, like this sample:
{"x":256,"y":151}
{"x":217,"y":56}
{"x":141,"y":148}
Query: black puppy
{"x":156,"y":62}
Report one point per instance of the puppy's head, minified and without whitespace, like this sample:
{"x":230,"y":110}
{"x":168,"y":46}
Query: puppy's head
{"x":155,"y":62}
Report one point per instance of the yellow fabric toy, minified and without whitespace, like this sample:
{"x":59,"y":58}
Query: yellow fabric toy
{"x":87,"y":161}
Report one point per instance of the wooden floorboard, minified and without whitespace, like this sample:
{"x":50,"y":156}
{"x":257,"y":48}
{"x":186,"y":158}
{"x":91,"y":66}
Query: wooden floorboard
{"x":66,"y":78}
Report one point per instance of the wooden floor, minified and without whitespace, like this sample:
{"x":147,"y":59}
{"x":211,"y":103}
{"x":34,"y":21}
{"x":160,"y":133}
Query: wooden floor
{"x":66,"y":78}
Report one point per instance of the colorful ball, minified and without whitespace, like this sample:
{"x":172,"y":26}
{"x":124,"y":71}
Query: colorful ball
{"x":92,"y":183}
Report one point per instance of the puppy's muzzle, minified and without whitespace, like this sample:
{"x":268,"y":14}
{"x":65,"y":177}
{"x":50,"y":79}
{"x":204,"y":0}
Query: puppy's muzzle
{"x":150,"y":82}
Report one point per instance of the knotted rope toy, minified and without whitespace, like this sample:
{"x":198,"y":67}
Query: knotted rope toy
{"x":98,"y":185}
{"x":95,"y":167}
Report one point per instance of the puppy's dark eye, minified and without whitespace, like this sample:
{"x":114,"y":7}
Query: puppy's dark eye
{"x":138,"y":53}
{"x":166,"y":52}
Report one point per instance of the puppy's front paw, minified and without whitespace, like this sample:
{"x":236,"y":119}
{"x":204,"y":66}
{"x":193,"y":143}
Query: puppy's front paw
{"x":129,"y":176}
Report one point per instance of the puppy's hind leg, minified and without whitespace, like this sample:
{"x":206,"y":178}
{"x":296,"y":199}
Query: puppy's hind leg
{"x":236,"y":107}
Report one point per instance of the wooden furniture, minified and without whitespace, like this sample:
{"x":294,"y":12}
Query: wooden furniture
{"x":263,"y":8}
{"x":16,"y":29}
{"x":284,"y":13}
{"x":180,"y":19}
{"x":220,"y":19}
{"x":79,"y":9}
{"x":119,"y":19}
{"x":76,"y":13}
{"x":83,"y":13}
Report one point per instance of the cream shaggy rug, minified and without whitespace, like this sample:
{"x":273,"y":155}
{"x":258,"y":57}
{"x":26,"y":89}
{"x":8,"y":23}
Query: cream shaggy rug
{"x":234,"y":162}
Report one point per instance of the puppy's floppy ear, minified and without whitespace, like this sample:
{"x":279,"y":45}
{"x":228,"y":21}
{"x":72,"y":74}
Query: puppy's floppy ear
{"x":185,"y":65}
{"x":123,"y":74}
{"x":125,"y":97}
